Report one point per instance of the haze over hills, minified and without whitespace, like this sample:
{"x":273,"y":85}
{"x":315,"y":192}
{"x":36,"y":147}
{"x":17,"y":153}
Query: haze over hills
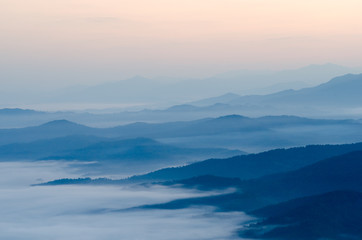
{"x":18,"y":118}
{"x":140,"y":89}
{"x":223,"y":99}
{"x":140,"y":151}
{"x":231,"y":132}
{"x":343,"y":91}
{"x":269,"y":81}
{"x":99,"y":155}
{"x":336,"y":99}
{"x":153,"y":92}
{"x":180,"y":120}
{"x":46,"y":147}
{"x":53,"y":129}
{"x":267,"y":178}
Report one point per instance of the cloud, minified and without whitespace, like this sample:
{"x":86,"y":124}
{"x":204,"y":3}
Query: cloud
{"x":65,"y":212}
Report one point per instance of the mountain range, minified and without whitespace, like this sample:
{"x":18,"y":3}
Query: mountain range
{"x":343,"y":91}
{"x":140,"y":151}
{"x":319,"y":201}
{"x":252,"y":165}
{"x":157,"y":91}
{"x":232,"y":132}
{"x":296,"y":177}
{"x":109,"y":155}
{"x":337,"y":98}
{"x":313,"y":192}
{"x":285,"y":173}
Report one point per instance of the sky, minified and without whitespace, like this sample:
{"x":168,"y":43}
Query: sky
{"x":67,"y":42}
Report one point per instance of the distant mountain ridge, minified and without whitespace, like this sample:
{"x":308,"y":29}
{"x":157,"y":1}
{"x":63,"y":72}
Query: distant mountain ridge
{"x":43,"y":148}
{"x":340,"y":96}
{"x":340,"y":91}
{"x":337,"y":98}
{"x":227,"y":132}
{"x":141,"y":151}
{"x":228,"y":97}
{"x":242,"y":82}
{"x":18,"y":111}
{"x":158,"y":91}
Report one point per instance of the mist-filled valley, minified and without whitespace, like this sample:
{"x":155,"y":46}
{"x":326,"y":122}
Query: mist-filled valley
{"x":207,"y":169}
{"x":88,"y":212}
{"x":180,"y":120}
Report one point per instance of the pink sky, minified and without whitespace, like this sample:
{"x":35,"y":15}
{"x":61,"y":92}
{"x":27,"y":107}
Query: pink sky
{"x":177,"y":37}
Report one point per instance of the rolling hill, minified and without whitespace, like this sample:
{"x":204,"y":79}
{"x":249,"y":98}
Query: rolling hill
{"x":231,"y":131}
{"x":253,"y":165}
{"x":333,"y":174}
{"x":141,"y":151}
{"x":335,"y":215}
{"x":44,"y":148}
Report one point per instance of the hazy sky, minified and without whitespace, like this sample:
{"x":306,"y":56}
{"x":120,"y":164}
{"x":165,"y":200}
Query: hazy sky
{"x":88,"y":41}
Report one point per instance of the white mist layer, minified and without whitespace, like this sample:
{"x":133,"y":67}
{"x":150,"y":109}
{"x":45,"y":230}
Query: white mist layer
{"x":76,"y":212}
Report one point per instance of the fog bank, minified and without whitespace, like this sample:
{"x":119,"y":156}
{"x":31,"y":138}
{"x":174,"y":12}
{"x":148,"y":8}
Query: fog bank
{"x":77,"y":212}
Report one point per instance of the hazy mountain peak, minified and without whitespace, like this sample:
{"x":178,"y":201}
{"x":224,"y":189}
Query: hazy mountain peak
{"x":17,"y":111}
{"x":214,"y":100}
{"x":61,"y":122}
{"x":183,"y":107}
{"x":346,"y":79}
{"x":230,"y":94}
{"x":231,"y":117}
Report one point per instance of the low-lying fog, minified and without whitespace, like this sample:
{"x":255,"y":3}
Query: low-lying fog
{"x":76,"y":212}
